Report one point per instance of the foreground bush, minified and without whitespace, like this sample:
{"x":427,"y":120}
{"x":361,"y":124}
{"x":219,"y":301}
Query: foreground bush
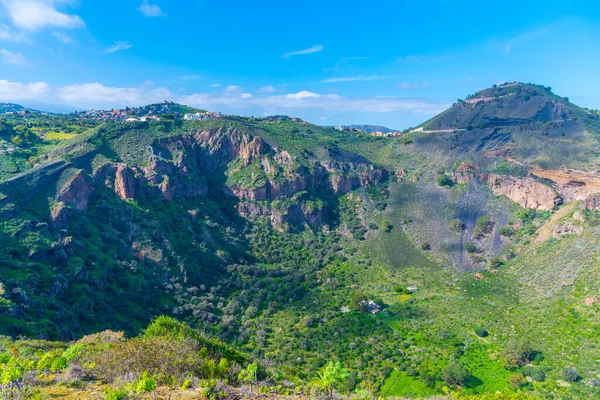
{"x":169,"y":327}
{"x":167,"y":359}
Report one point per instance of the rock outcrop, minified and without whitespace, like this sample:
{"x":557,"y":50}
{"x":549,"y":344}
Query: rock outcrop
{"x":526,"y":191}
{"x":249,"y":168}
{"x":591,"y":203}
{"x":127,"y":185}
{"x":73,"y":196}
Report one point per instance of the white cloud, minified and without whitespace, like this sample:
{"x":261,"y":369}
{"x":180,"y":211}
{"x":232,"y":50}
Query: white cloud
{"x":267,"y":89}
{"x":215,"y":85}
{"x":315,"y":49}
{"x":12,"y":58}
{"x":360,"y":78}
{"x":151,"y":10}
{"x":303,"y":95}
{"x":8,"y":34}
{"x":15,"y":91}
{"x":63,"y":38}
{"x":33,"y":15}
{"x":233,"y":88}
{"x":311,"y":100}
{"x":96,"y":94}
{"x":118,"y":46}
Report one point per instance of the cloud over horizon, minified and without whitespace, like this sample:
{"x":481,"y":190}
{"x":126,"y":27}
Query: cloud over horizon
{"x":97,"y":95}
{"x":360,"y":78}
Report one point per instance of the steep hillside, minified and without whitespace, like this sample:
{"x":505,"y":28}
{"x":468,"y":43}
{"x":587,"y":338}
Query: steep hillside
{"x":534,"y":125}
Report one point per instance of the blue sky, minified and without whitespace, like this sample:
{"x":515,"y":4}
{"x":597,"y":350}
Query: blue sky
{"x":394,"y":63}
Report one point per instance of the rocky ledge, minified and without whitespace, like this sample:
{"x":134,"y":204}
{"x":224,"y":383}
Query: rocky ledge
{"x":178,"y":167}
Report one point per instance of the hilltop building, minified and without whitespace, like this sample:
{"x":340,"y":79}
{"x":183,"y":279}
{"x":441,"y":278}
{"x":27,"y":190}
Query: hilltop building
{"x":194,"y":117}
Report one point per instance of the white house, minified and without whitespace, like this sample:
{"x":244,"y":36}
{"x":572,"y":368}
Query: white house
{"x":194,"y":117}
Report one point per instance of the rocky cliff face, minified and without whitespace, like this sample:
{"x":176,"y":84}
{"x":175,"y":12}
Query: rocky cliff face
{"x":73,"y":196}
{"x":177,"y":167}
{"x":527,"y":192}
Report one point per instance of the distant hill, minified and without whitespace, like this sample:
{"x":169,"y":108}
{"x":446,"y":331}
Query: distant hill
{"x":49,"y":107}
{"x":370,"y":128}
{"x":535,"y":125}
{"x":10,"y":107}
{"x":166,"y":107}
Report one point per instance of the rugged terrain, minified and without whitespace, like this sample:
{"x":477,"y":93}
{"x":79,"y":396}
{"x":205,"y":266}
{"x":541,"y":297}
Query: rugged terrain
{"x":273,"y":234}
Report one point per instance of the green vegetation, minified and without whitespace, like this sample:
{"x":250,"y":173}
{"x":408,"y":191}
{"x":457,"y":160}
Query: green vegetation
{"x":275,"y":282}
{"x":444,"y":180}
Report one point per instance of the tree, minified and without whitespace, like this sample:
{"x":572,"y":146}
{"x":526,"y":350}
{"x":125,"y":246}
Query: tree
{"x":471,"y":247}
{"x":479,"y":331}
{"x":444,"y":180}
{"x":483,"y":224}
{"x":456,"y":225}
{"x":507,"y":231}
{"x":406,"y":140}
{"x":570,"y":374}
{"x":455,"y":374}
{"x":517,"y":380}
{"x":496,"y":262}
{"x":17,"y":141}
{"x":386,"y":226}
{"x":332,"y":376}
{"x":517,"y":352}
{"x":359,"y":301}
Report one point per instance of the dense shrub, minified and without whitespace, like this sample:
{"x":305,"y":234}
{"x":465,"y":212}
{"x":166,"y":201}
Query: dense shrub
{"x":570,"y":374}
{"x":471,"y":247}
{"x":518,"y":352}
{"x":517,"y":380}
{"x":456,"y":225}
{"x":386,"y":226}
{"x":165,"y":358}
{"x":479,"y":331}
{"x":455,"y":374}
{"x":444,"y":180}
{"x":169,"y":327}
